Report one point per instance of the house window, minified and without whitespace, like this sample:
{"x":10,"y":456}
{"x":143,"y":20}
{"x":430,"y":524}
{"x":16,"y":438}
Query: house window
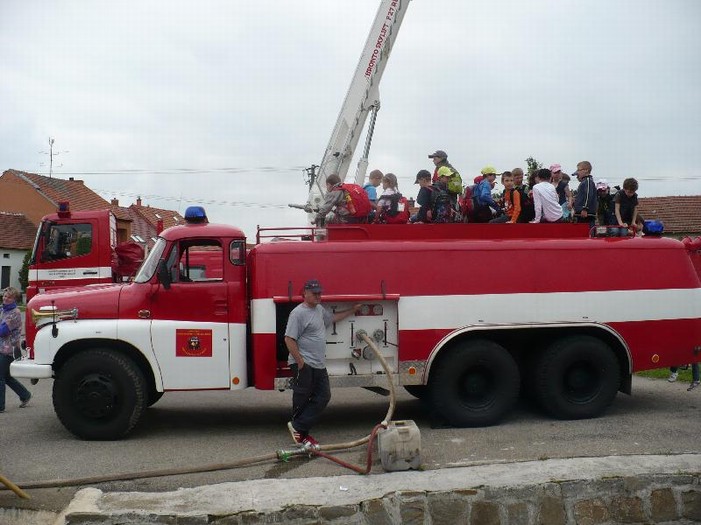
{"x":5,"y":277}
{"x":5,"y":255}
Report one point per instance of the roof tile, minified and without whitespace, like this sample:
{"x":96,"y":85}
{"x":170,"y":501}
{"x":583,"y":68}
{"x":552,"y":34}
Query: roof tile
{"x":74,"y":191}
{"x":16,"y":231}
{"x":680,"y":214}
{"x":170,"y":217}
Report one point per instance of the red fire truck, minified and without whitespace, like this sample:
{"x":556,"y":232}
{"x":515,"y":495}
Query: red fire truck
{"x":466,"y":315}
{"x":79,"y":248}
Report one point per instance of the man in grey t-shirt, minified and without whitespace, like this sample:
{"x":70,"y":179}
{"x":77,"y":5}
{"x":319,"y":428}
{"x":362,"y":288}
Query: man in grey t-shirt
{"x":305,"y":338}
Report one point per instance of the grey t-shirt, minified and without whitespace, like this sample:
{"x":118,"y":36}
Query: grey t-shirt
{"x":307,"y":326}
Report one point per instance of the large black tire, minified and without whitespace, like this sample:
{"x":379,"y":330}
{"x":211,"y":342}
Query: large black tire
{"x":99,"y":395}
{"x":475,"y":384}
{"x":577,"y":377}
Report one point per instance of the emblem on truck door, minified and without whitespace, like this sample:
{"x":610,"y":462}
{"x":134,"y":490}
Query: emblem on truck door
{"x":193,"y":343}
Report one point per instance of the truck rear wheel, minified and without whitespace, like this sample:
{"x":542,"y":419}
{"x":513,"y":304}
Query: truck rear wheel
{"x":418,"y":391}
{"x":577,"y":377}
{"x":475,"y":385}
{"x":99,"y":395}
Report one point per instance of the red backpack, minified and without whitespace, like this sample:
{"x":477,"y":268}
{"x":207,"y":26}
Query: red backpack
{"x":398,"y":211}
{"x":467,"y":203}
{"x":357,"y":201}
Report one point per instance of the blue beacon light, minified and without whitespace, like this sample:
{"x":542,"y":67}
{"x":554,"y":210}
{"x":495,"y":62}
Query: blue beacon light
{"x":195,"y":215}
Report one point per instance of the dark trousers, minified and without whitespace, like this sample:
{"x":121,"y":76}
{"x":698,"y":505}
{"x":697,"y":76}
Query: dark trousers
{"x":694,"y":371}
{"x":311,"y":394}
{"x":7,"y":379}
{"x":589,"y":219}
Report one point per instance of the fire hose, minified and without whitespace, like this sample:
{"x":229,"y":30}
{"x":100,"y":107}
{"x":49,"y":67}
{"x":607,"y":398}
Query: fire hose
{"x":281,"y":455}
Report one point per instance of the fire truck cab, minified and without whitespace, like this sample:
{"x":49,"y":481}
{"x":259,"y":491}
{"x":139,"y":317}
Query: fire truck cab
{"x":78,"y":249}
{"x":71,"y":249}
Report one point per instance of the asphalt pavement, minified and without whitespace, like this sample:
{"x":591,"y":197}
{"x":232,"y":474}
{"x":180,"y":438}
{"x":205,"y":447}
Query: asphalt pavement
{"x":202,"y":428}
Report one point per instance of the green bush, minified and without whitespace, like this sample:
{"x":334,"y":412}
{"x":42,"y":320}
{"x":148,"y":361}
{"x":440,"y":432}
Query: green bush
{"x":24,"y":272}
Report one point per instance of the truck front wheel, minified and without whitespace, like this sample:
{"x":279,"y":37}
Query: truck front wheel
{"x":99,"y":395}
{"x":577,"y":377}
{"x":475,"y":384}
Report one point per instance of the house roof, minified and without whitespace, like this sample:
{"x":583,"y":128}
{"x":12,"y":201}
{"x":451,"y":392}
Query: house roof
{"x":121,"y":212}
{"x":170,"y":217}
{"x":141,"y":227}
{"x":74,"y":191}
{"x":144,"y":222}
{"x":679,"y":214}
{"x":16,"y":231}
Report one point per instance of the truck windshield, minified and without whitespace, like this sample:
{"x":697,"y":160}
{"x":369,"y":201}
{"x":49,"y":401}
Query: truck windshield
{"x":148,"y":267}
{"x":62,"y":241}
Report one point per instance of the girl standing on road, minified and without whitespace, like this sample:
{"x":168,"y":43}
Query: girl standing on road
{"x":10,"y":326}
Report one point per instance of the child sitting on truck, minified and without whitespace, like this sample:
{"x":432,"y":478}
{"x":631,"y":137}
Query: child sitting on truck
{"x":626,"y":203}
{"x":423,"y":199}
{"x":512,"y":200}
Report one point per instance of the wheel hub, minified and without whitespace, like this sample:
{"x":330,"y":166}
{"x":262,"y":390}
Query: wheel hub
{"x":96,"y":396}
{"x":581,"y":382}
{"x":477,"y":388}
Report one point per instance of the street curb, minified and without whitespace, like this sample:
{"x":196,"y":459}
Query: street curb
{"x":652,"y":489}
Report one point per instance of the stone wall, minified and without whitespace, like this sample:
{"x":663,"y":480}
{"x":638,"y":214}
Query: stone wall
{"x":586,"y":490}
{"x":641,"y":499}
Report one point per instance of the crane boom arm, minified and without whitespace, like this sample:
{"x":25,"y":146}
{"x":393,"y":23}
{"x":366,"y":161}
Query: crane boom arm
{"x":361,"y":98}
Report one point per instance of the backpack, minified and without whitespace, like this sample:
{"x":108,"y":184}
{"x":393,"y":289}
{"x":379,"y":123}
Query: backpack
{"x":398,"y":212}
{"x":357,"y":201}
{"x":467,"y":203}
{"x":527,"y":205}
{"x":440,"y":205}
{"x":454,"y":179}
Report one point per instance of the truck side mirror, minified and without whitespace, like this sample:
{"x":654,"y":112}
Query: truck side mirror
{"x":237,"y":253}
{"x":164,"y":274}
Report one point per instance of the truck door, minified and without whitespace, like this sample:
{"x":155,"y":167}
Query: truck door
{"x":189,"y":321}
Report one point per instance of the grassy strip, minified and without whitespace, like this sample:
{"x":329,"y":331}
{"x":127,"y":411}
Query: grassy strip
{"x":663,"y":373}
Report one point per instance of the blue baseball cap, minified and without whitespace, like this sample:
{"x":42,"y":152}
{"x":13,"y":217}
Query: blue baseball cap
{"x":313,"y":286}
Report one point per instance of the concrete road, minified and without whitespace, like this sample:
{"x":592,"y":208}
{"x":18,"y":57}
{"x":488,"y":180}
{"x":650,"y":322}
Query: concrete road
{"x":193,"y":429}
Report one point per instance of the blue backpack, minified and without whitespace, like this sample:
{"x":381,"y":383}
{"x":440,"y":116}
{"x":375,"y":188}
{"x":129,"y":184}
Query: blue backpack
{"x":441,"y":209}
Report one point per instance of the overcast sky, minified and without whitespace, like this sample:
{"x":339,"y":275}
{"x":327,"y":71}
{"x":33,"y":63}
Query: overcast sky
{"x":225,"y":102}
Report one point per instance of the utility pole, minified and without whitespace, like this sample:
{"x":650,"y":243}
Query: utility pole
{"x":51,"y":155}
{"x":311,"y":175}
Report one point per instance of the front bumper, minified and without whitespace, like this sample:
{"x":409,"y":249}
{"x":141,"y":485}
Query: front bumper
{"x":27,"y":368}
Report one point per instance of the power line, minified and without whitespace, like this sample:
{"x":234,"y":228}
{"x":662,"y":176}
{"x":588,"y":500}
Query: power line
{"x":187,"y":171}
{"x":246,"y":204}
{"x":276,"y":169}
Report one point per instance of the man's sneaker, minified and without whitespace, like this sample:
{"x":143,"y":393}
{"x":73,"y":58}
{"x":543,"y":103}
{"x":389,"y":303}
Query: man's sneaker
{"x":693,"y":385}
{"x":673,"y":377}
{"x":311,"y":442}
{"x":296,"y":436}
{"x":25,"y":402}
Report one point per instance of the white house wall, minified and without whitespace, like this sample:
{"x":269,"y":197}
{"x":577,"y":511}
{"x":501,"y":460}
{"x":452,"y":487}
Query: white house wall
{"x":13,"y":259}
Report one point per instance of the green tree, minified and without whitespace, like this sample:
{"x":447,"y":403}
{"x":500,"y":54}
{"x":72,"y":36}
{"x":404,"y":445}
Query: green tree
{"x":24,"y":272}
{"x":533,"y":165}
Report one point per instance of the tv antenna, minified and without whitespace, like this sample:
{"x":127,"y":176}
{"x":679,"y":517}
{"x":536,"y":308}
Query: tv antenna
{"x":51,"y":153}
